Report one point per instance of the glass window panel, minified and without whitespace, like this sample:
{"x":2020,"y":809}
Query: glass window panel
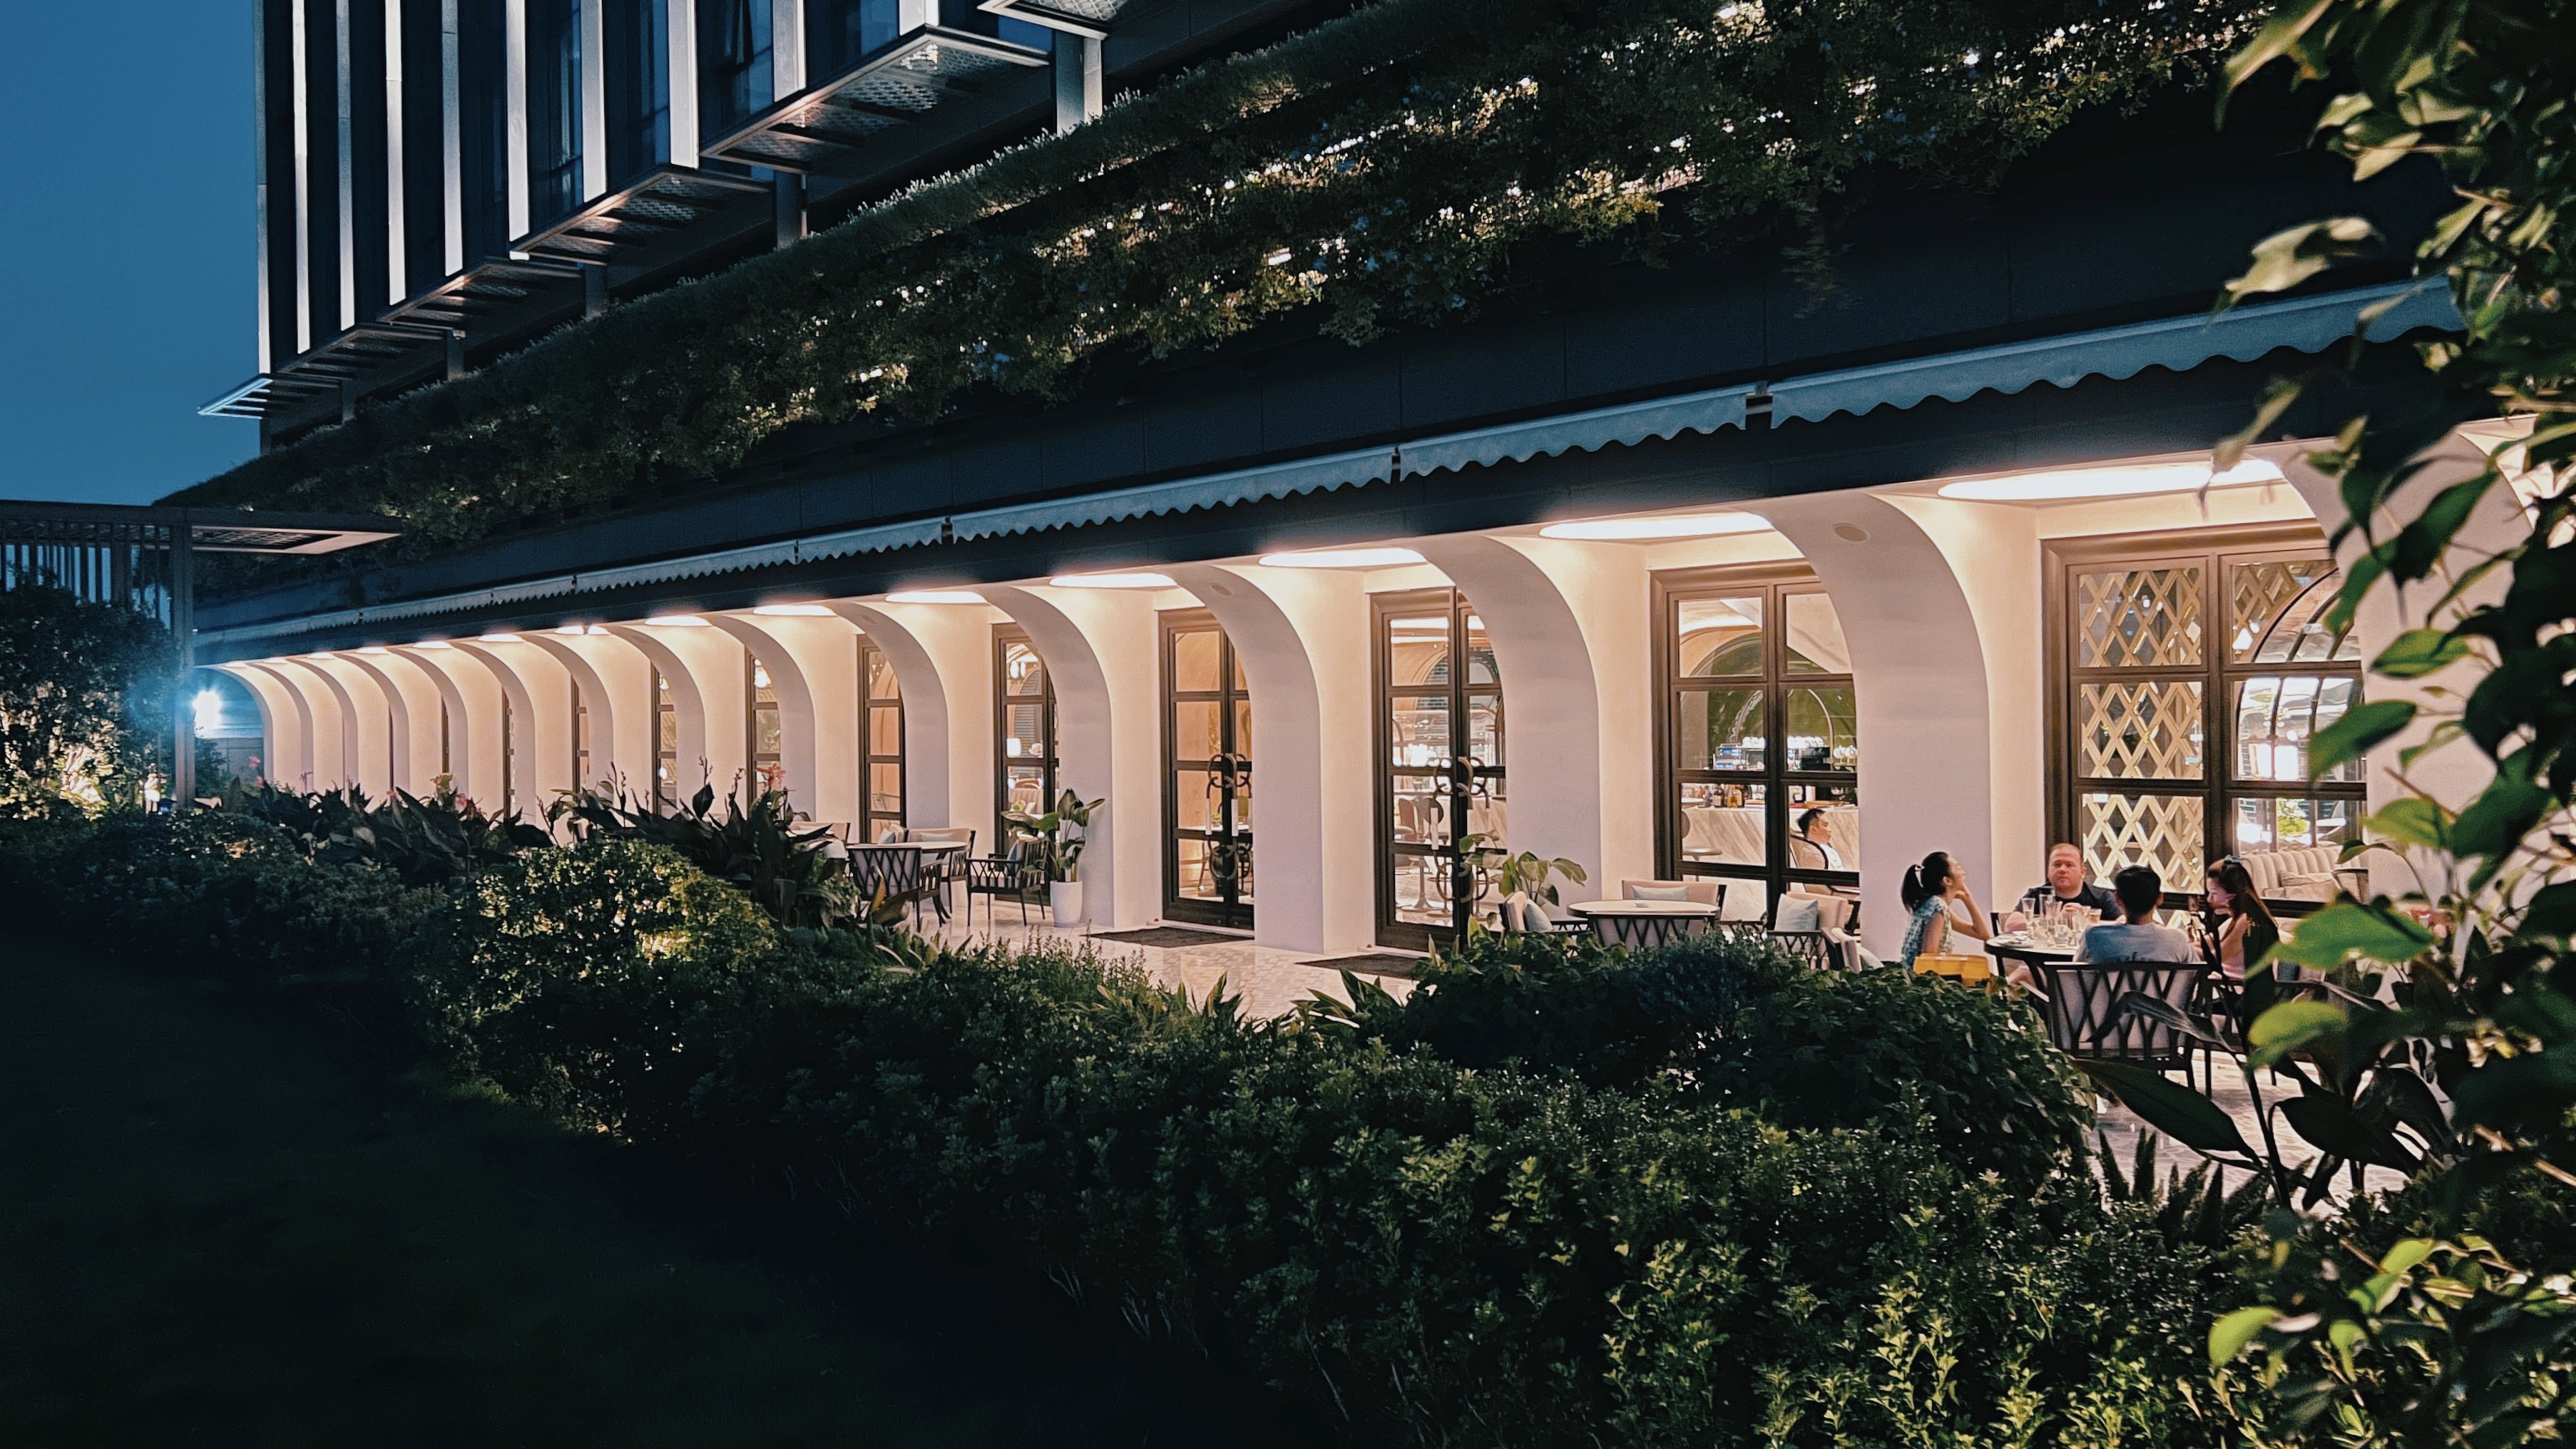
{"x":2138,"y":617}
{"x":1419,"y":729}
{"x":1023,"y":673}
{"x":885,"y":731}
{"x":885,"y":790}
{"x":764,"y":734}
{"x":1422,"y":889}
{"x":1243,"y":727}
{"x":1195,"y":668}
{"x":1821,"y":729}
{"x":1242,"y":802}
{"x":1240,"y":686}
{"x":1815,"y":643}
{"x":882,"y":684}
{"x":1724,"y":824}
{"x":1416,"y":657}
{"x":1719,"y":729}
{"x":1481,"y":668}
{"x":2276,"y":717}
{"x":1024,"y":730}
{"x":2289,"y":822}
{"x":1485,"y":729}
{"x":1421,"y":810}
{"x":1194,"y":800}
{"x":2163,"y":831}
{"x":2276,"y":613}
{"x":670,"y":730}
{"x":2144,"y":731}
{"x":1832,"y":841}
{"x":1198,"y":873}
{"x":1718,"y":637}
{"x":1196,"y":726}
{"x":1025,"y":789}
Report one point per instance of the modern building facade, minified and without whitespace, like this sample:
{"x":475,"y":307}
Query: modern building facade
{"x":443,"y":180}
{"x":1672,"y":571}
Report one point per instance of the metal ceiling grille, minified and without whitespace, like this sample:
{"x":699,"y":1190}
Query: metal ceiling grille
{"x":822,"y":127}
{"x":668,"y":201}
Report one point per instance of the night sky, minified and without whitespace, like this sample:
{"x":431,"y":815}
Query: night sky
{"x":127,"y":298}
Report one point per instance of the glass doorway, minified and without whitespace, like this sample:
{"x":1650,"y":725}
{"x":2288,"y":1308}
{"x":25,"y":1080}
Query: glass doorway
{"x":1440,"y":760}
{"x":1207,"y":775}
{"x":1023,"y":731}
{"x":880,"y":744}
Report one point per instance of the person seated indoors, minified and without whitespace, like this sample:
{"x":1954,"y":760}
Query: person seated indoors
{"x":2067,"y":884}
{"x":1812,"y":846}
{"x":2137,"y":937}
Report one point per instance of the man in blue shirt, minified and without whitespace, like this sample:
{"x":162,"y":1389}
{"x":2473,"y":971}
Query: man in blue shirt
{"x":2067,"y":885}
{"x":2137,"y":937}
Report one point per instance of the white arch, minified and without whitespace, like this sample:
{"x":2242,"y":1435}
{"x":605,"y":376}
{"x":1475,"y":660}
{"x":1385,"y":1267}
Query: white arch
{"x":1919,"y":678}
{"x":696,"y":762}
{"x":943,"y":661}
{"x":411,"y":705}
{"x":540,"y":737}
{"x":366,"y":724}
{"x":313,"y":735}
{"x":813,"y":669}
{"x":612,"y":675}
{"x":472,"y":698}
{"x":283,"y":730}
{"x":1099,"y":647}
{"x":1302,"y":635}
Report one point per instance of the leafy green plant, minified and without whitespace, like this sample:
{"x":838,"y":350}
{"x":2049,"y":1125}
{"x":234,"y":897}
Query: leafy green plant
{"x":425,"y":842}
{"x":1058,"y":834}
{"x":85,"y":693}
{"x":1501,"y":873}
{"x":757,"y":847}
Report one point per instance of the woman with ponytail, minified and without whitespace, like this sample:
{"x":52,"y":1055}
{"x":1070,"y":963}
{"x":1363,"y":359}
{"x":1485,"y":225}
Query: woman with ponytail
{"x":1936,"y":892}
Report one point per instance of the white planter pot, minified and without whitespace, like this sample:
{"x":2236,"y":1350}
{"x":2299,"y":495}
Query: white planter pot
{"x":1065,"y":898}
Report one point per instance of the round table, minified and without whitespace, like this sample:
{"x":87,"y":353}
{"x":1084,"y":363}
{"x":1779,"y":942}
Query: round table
{"x":1642,"y":925}
{"x":2020,"y":948}
{"x":873,"y":876}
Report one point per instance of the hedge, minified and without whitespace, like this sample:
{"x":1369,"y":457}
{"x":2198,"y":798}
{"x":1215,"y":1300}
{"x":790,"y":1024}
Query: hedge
{"x":1686,"y":1228}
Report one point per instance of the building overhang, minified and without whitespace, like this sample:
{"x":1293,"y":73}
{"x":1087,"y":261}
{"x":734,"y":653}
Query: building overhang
{"x":1087,"y":18}
{"x":211,"y":530}
{"x":671,"y":206}
{"x":823,"y":127}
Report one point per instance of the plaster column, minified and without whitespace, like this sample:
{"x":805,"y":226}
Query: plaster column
{"x":286,"y":733}
{"x":943,"y":661}
{"x":617,"y":688}
{"x":714,"y":747}
{"x":411,"y":701}
{"x":1302,"y":635}
{"x":472,"y":698}
{"x":1099,"y":647}
{"x":1921,"y":693}
{"x":540,"y":696}
{"x":813,"y":666}
{"x":367,"y":724}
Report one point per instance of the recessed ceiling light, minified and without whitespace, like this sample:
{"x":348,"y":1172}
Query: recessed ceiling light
{"x":572,"y":629}
{"x":1113,"y":581}
{"x":319,"y":654}
{"x":498,"y":638}
{"x":1342,"y":558}
{"x":434,"y":644}
{"x":1670,"y":525}
{"x":793,"y":611}
{"x":679,"y":621}
{"x":2123,"y":482}
{"x":934,"y":596}
{"x":375,"y":649}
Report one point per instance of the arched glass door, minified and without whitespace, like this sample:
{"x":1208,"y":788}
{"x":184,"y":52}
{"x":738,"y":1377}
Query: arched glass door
{"x":880,"y":743}
{"x":1207,"y":775}
{"x":1023,"y":730}
{"x":1440,"y":760}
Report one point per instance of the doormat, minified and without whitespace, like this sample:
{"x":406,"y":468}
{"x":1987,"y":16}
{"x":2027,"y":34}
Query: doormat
{"x":1371,"y":964}
{"x":1169,"y":937}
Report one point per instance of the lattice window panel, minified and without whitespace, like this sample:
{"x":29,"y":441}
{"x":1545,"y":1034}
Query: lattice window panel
{"x":2130,"y":618}
{"x":2163,"y":831}
{"x":2275,"y":614}
{"x":2144,"y":731}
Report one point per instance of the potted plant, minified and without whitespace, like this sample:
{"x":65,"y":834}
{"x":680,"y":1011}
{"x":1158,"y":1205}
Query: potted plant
{"x":1499,"y":872}
{"x":1060,"y":835}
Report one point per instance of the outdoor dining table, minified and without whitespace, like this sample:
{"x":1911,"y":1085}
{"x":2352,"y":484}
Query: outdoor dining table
{"x":873,"y":875}
{"x":1642,"y":925}
{"x":2020,"y":947}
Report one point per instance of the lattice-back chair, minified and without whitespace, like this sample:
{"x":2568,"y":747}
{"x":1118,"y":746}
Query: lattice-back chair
{"x":948,"y":867}
{"x":1816,"y":949}
{"x":1019,"y":873}
{"x":891,"y":871}
{"x":2087,"y":1021}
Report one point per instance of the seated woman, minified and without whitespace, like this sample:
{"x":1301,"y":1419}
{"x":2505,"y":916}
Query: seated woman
{"x":1936,"y":892}
{"x":2241,"y":925}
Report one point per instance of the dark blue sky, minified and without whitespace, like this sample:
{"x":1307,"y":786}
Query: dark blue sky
{"x":127,"y":298}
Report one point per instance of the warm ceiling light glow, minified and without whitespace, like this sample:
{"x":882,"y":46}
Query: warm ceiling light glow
{"x":679,"y":621}
{"x":1671,"y":525}
{"x":571,"y":629}
{"x":793,"y":611}
{"x":1418,"y":626}
{"x":498,"y":637}
{"x":1113,"y":581}
{"x":435,"y":644}
{"x":208,"y":706}
{"x":375,"y":649}
{"x":2108,"y":482}
{"x":319,"y":654}
{"x":934,"y":596}
{"x":1343,"y":558}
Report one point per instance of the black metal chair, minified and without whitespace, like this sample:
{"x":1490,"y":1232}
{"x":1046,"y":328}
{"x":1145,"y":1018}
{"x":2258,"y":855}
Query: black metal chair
{"x":1019,"y":874}
{"x":945,"y":867}
{"x":1646,"y":932}
{"x":889,"y":872}
{"x":2088,"y":1020}
{"x":1815,"y":948}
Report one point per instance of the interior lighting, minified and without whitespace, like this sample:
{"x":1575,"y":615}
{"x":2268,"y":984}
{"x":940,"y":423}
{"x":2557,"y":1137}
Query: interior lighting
{"x":679,"y":621}
{"x":435,"y":644}
{"x":1342,"y":558}
{"x":934,"y":596}
{"x":319,"y":654}
{"x":2123,"y":482}
{"x":1670,"y":525}
{"x":208,"y":706}
{"x":1113,"y":581}
{"x":375,"y":649}
{"x":793,"y":611}
{"x":498,"y":637}
{"x":572,"y":629}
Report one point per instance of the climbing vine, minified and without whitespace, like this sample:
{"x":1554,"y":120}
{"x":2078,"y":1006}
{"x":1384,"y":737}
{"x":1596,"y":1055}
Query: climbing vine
{"x":1383,"y":167}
